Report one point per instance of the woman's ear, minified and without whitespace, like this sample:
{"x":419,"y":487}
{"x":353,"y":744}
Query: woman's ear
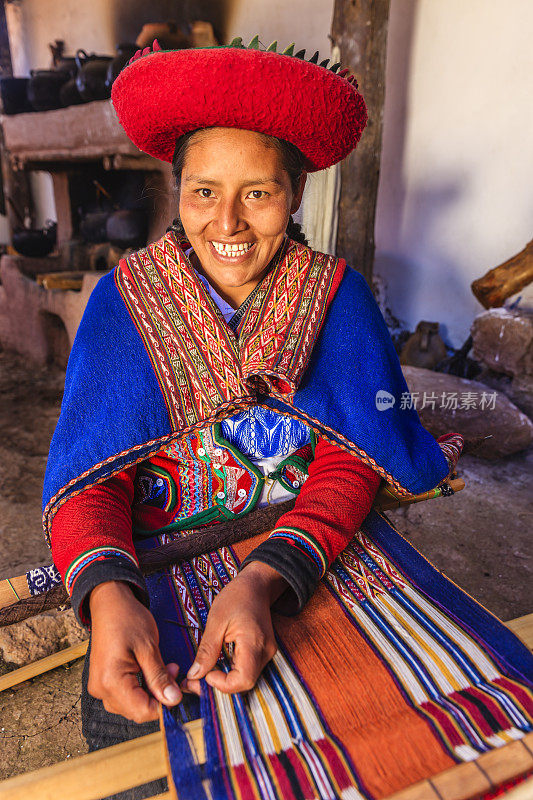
{"x":297,"y":199}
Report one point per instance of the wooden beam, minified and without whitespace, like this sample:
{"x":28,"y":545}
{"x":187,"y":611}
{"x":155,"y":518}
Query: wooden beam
{"x":46,"y":664}
{"x":106,"y":771}
{"x":360,"y":31}
{"x":475,"y":778}
{"x":523,"y":628}
{"x":94,"y":775}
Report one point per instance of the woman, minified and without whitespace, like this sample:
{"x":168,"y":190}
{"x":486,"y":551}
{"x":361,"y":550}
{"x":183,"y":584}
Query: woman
{"x":225,"y":367}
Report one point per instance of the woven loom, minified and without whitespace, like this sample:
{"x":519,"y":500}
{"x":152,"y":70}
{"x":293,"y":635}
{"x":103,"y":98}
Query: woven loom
{"x":392,"y":682}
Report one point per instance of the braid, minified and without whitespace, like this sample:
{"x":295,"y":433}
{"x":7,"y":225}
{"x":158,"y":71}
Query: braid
{"x":177,"y":228}
{"x":295,"y":232}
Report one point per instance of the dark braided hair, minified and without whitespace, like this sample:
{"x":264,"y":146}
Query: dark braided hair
{"x":293,"y":162}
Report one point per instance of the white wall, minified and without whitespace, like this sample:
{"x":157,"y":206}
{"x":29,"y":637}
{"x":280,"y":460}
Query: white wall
{"x":455,"y":196}
{"x":305,"y":22}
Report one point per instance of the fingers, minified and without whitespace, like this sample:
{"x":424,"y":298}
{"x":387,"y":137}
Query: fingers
{"x":207,"y":654}
{"x":118,"y":686}
{"x":248,"y":663}
{"x":159,"y":680}
{"x":250,"y":658}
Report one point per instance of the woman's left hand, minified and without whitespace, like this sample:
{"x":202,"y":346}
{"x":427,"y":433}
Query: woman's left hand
{"x":239,"y":614}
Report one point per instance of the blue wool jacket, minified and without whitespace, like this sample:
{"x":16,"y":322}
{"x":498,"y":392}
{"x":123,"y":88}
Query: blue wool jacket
{"x":353,"y":392}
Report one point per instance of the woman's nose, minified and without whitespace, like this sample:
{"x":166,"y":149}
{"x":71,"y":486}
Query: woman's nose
{"x":229,"y":217}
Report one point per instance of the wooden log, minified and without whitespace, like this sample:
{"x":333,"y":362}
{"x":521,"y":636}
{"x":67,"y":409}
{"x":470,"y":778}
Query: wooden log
{"x":360,"y":31}
{"x":46,"y":664}
{"x":509,"y":278}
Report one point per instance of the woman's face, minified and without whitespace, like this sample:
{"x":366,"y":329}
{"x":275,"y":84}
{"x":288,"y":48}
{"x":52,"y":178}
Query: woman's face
{"x":235,"y":202}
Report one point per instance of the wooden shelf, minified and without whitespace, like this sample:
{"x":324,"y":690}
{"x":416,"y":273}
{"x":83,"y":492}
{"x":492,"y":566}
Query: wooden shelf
{"x":77,"y":133}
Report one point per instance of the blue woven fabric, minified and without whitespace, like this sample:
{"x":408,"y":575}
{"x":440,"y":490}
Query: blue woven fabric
{"x":262,"y":433}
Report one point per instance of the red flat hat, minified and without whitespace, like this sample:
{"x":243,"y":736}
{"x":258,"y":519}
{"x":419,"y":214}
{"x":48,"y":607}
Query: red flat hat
{"x":163,"y":94}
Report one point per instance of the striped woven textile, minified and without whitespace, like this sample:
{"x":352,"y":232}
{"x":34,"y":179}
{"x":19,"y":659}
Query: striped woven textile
{"x":390,"y":675}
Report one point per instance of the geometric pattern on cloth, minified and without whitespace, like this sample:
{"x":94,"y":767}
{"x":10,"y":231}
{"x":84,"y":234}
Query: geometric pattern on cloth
{"x":89,"y":557}
{"x":389,"y":676}
{"x":261,"y":432}
{"x":42,"y":579}
{"x":200,"y":363}
{"x":451,"y":445}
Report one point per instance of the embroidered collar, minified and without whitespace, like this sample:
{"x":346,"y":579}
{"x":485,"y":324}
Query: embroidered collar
{"x":200,"y":363}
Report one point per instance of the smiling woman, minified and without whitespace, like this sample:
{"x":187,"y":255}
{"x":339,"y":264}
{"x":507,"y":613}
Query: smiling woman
{"x":212,"y":374}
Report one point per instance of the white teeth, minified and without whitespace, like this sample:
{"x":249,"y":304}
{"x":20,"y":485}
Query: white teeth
{"x":232,"y":250}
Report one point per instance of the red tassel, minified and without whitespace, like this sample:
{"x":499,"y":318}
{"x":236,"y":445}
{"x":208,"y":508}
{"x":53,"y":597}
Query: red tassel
{"x":146,"y":51}
{"x":343,"y":73}
{"x":156,"y":45}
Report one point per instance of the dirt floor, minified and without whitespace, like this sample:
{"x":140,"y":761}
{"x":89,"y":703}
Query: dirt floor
{"x":480,"y":538}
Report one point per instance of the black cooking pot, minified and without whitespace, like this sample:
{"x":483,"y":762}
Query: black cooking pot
{"x":14,"y":94}
{"x":69,"y":94}
{"x":67,"y":64}
{"x":124,"y":52}
{"x":91,"y":77}
{"x":44,"y":87}
{"x":127,"y":228}
{"x":93,"y":226}
{"x":35,"y":242}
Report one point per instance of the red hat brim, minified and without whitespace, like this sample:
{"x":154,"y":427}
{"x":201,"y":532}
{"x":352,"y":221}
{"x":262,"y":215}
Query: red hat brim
{"x":165,"y":94}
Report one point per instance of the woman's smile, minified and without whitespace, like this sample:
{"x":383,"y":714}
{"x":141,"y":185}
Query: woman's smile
{"x":232,"y":252}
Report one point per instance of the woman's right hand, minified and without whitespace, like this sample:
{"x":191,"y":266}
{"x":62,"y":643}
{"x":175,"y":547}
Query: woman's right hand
{"x":124,"y":642}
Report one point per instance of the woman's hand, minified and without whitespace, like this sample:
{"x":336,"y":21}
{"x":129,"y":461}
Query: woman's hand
{"x":124,"y":642}
{"x":239,"y":614}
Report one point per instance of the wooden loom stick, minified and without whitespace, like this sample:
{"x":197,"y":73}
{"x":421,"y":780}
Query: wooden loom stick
{"x":138,"y":761}
{"x":30,"y":606}
{"x":43,"y":665}
{"x":497,"y":766}
{"x":13,"y":589}
{"x":16,"y":603}
{"x":95,"y":775}
{"x":524,"y":791}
